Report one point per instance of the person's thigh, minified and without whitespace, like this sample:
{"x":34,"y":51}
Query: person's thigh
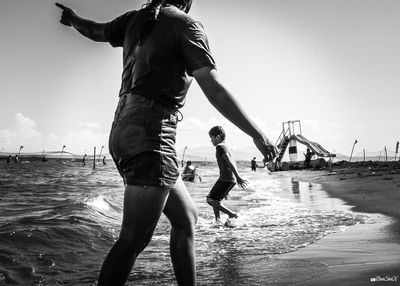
{"x":180,"y":208}
{"x":143,"y":206}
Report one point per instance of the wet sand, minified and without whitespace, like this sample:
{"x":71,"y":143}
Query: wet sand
{"x":364,"y":252}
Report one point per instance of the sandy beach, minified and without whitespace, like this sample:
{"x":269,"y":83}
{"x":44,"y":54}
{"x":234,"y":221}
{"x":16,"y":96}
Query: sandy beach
{"x":364,"y":254}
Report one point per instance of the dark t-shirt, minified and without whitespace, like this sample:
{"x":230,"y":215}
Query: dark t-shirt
{"x":225,"y":172}
{"x":160,"y":68}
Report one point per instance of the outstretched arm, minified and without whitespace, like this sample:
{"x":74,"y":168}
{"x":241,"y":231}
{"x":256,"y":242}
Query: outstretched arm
{"x":241,"y":182}
{"x":225,"y":103}
{"x":88,"y":28}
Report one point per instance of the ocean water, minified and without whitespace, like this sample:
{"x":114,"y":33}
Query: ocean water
{"x":58,"y":220}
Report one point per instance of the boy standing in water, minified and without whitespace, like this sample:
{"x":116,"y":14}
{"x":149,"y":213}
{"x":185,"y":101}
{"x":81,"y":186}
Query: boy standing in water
{"x":228,"y":176}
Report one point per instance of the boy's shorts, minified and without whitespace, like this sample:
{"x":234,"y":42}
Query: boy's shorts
{"x":220,"y":190}
{"x":142,"y":142}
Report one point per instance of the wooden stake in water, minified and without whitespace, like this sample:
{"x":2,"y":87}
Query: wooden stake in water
{"x":385,"y":154}
{"x":94,"y":158}
{"x":101,"y":150}
{"x":183,"y":156}
{"x":352,"y":149}
{"x":62,"y":151}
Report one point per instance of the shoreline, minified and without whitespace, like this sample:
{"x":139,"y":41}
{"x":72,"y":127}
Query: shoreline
{"x":364,"y":252}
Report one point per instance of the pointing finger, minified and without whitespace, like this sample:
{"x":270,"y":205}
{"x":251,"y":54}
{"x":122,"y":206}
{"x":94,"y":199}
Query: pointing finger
{"x":61,"y":6}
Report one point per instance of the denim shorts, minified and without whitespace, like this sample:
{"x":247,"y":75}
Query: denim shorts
{"x":142,"y":142}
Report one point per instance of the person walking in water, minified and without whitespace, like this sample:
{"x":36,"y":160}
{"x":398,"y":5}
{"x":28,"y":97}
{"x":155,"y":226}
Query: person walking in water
{"x":84,"y":160}
{"x":9,"y":160}
{"x":228,"y":176}
{"x":254,"y":164}
{"x":163,"y":48}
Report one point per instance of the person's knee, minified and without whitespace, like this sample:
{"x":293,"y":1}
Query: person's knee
{"x":134,"y":241}
{"x":192,"y":220}
{"x":212,"y":202}
{"x":186,"y":223}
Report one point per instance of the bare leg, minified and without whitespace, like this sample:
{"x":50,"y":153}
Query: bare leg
{"x":182,"y":214}
{"x":218,"y":206}
{"x":217,"y":214}
{"x":143,"y":207}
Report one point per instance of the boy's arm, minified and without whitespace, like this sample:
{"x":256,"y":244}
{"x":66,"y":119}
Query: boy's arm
{"x":241,"y":182}
{"x":88,"y":28}
{"x":225,"y":103}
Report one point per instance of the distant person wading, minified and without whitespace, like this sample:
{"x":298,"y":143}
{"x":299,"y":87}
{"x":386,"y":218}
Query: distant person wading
{"x":163,"y":48}
{"x":254,"y":164}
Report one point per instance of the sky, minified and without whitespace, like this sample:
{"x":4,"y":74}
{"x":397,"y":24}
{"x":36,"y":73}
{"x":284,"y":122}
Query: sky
{"x":332,"y":64}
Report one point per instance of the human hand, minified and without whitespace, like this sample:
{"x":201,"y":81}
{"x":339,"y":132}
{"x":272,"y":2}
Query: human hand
{"x":241,"y":182}
{"x":266,"y":147}
{"x":67,"y":14}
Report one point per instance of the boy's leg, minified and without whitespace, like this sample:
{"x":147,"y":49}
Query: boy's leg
{"x":143,"y":207}
{"x":182,"y":214}
{"x":216,"y":213}
{"x":219,"y":191}
{"x":218,"y":206}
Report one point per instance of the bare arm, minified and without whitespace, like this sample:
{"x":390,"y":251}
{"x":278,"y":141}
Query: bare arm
{"x":241,"y":182}
{"x":88,"y":28}
{"x":225,"y":103}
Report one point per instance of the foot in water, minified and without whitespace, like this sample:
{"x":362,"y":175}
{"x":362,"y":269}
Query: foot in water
{"x":218,"y":223}
{"x":230,"y":223}
{"x":234,"y":216}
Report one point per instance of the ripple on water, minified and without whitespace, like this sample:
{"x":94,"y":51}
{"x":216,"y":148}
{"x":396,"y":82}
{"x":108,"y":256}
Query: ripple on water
{"x":58,"y":221}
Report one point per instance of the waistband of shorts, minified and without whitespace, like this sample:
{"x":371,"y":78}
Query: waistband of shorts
{"x":129,"y":98}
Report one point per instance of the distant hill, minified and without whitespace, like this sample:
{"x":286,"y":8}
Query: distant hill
{"x":247,"y":153}
{"x":208,"y":153}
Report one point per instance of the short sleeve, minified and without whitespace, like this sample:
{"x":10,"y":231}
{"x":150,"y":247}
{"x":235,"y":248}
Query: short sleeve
{"x":115,"y":30}
{"x":195,"y":48}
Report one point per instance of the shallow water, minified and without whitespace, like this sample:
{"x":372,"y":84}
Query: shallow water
{"x":58,"y":221}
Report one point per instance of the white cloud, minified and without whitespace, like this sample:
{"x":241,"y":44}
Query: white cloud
{"x":191,"y":123}
{"x":6,"y":138}
{"x":26,"y":127}
{"x":83,"y":140}
{"x":25,"y":133}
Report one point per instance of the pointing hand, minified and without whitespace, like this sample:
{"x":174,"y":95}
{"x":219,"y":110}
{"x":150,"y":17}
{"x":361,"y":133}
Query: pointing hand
{"x":67,"y":14}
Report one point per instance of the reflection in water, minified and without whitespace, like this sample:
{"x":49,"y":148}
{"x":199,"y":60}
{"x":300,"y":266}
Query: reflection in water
{"x":295,"y":187}
{"x":313,"y":195}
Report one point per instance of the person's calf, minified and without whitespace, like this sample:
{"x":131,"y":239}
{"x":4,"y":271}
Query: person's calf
{"x":183,"y":255}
